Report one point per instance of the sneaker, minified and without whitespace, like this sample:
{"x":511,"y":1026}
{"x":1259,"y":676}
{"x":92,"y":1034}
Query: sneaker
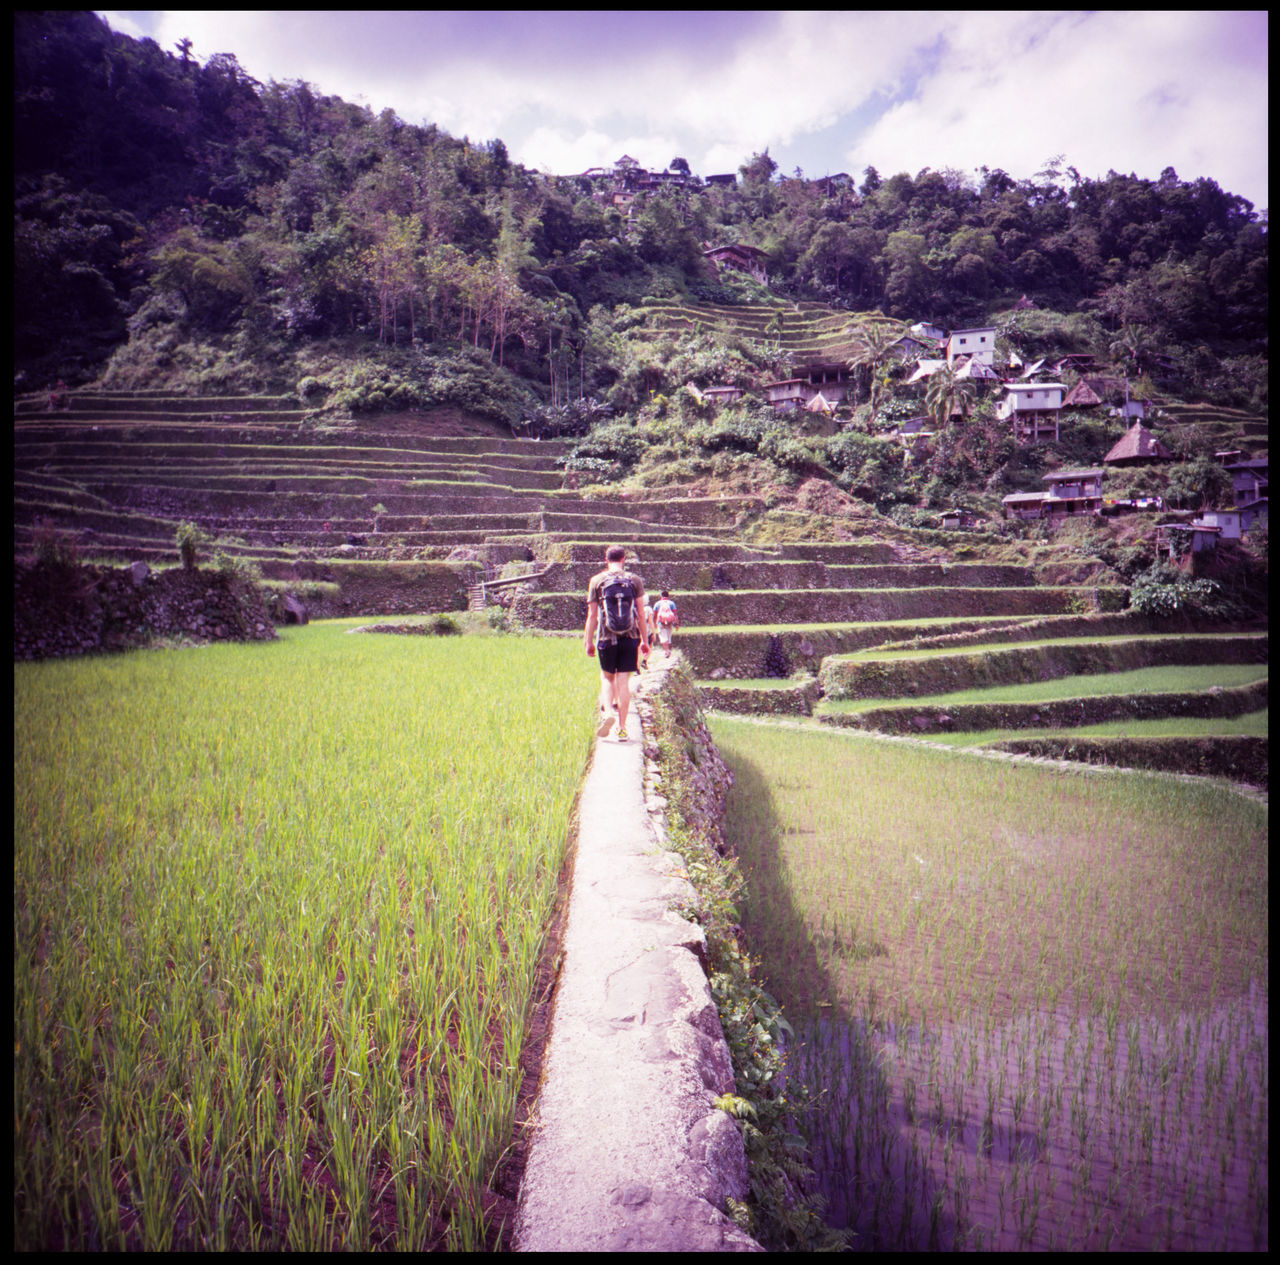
{"x":622,"y":735}
{"x":606,"y":723}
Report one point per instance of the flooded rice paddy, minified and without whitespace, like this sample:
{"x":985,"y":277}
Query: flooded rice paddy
{"x":1032,"y":1003}
{"x":1045,"y":1132}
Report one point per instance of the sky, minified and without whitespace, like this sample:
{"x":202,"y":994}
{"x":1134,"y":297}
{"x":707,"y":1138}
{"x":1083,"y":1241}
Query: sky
{"x":823,"y":91}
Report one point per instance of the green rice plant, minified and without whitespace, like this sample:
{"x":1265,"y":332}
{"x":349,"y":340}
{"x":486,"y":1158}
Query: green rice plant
{"x":277,"y":915}
{"x":1096,"y":979}
{"x":1140,"y":680}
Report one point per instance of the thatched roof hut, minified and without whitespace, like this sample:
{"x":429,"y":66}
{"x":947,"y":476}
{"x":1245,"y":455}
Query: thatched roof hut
{"x":1138,"y":445}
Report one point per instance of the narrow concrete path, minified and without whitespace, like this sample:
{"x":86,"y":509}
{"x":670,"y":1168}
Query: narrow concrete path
{"x":629,"y":1151}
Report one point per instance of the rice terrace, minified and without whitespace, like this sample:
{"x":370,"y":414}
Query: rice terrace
{"x":914,"y":894}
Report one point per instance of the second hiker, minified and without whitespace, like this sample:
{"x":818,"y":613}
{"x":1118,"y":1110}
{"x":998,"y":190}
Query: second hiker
{"x":667,"y":620}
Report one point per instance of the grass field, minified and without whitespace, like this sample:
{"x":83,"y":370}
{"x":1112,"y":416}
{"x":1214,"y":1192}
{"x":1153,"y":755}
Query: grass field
{"x":1251,"y":724}
{"x":1035,"y":1000}
{"x":1170,"y":679}
{"x":277,"y":917}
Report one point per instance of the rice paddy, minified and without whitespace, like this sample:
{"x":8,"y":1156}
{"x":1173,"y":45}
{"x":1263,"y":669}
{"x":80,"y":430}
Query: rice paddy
{"x":1033,"y":1000}
{"x":278,"y":912}
{"x":1176,"y":679}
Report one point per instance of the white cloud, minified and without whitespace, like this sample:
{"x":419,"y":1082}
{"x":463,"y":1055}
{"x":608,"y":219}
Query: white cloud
{"x":1130,"y":91}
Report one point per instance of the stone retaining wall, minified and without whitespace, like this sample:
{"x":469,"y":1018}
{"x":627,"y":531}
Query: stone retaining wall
{"x":65,"y":610}
{"x":1095,"y":710}
{"x":743,"y":654}
{"x":1240,"y":757}
{"x":948,"y":673}
{"x":826,"y":606}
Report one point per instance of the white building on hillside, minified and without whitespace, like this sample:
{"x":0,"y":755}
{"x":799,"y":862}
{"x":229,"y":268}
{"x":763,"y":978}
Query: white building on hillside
{"x":1033,"y":409}
{"x":980,"y":343}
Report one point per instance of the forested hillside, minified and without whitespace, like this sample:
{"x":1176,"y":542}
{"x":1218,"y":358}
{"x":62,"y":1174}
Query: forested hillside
{"x":177,"y":221}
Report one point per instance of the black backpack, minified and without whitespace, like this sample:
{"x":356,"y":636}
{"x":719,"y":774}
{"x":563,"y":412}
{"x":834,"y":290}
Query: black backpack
{"x":618,"y":602}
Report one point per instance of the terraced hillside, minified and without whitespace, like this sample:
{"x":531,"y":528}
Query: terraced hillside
{"x":1227,"y":427}
{"x":805,"y":331}
{"x":409,"y":515}
{"x":398,"y":513}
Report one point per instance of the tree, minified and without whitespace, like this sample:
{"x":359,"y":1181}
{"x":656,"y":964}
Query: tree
{"x":1199,"y":485}
{"x":1134,"y":349}
{"x":873,"y":346}
{"x":948,"y":395}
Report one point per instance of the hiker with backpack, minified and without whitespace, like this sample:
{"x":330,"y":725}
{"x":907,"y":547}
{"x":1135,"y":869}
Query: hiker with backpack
{"x":616,"y":632}
{"x":666,"y":619}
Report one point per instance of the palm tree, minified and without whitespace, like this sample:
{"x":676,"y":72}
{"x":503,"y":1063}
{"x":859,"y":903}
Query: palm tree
{"x":1135,"y":348}
{"x":873,"y":345}
{"x":948,"y":395}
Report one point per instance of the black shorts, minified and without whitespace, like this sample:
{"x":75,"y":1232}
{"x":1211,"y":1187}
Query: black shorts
{"x":619,"y":656}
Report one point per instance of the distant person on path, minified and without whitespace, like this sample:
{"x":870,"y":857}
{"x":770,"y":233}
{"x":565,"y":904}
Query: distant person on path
{"x":616,"y":632}
{"x":58,"y":396}
{"x":664,"y":611}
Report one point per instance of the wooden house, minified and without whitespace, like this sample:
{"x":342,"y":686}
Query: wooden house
{"x":748,"y":259}
{"x":830,"y":381}
{"x":1077,"y":361}
{"x":926,"y":369}
{"x":979,"y":343}
{"x":1130,"y":409}
{"x":1093,"y":390}
{"x":1024,"y":505}
{"x":728,"y":180}
{"x":722,"y":395}
{"x":1137,"y":447}
{"x":1253,"y":514}
{"x":1237,"y":522}
{"x":1073,"y":492}
{"x":1248,"y":479}
{"x":1032,"y":408}
{"x":1179,"y":540}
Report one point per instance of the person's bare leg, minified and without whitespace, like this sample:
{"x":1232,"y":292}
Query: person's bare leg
{"x":622,"y":692}
{"x":606,"y":703}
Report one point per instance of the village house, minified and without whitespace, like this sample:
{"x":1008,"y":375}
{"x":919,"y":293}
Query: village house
{"x":1248,"y":479}
{"x":1092,"y":391}
{"x":925,"y":369}
{"x":1180,"y":540}
{"x":728,"y":180}
{"x":1033,"y":409}
{"x":830,"y":381}
{"x":1073,"y":492}
{"x":1136,"y":409}
{"x":748,"y":259}
{"x":1078,"y":362}
{"x":1233,"y":523}
{"x":721,"y":395}
{"x":979,"y":343}
{"x":1024,"y":505}
{"x":1137,"y":447}
{"x":976,"y":371}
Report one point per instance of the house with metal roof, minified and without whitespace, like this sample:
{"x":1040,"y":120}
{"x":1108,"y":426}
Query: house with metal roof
{"x":1033,"y":409}
{"x":979,"y":342}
